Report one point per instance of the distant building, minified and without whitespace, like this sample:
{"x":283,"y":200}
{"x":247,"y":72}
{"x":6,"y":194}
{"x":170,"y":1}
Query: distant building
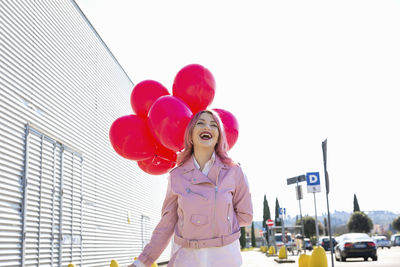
{"x":379,"y":229}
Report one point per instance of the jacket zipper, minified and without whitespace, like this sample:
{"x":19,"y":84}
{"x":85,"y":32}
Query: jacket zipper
{"x":215,"y":204}
{"x":229,"y":219}
{"x":188,"y":190}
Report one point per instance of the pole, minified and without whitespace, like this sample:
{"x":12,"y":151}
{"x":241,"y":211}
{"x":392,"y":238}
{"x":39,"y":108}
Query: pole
{"x":330,"y":231}
{"x":302,"y":224}
{"x":324,"y":154}
{"x":316,"y":222}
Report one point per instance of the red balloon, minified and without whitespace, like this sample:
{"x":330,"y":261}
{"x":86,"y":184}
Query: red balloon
{"x":144,"y":94}
{"x":156,"y":165}
{"x":165,"y":153}
{"x":168,"y":118}
{"x":195,"y":85}
{"x":163,"y":161}
{"x":231,"y":126}
{"x":131,"y":138}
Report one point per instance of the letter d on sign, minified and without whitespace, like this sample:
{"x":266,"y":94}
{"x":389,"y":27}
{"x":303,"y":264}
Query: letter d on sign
{"x":313,"y":179}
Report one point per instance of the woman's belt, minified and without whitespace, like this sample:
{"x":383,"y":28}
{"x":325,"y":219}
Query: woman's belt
{"x":206,"y":243}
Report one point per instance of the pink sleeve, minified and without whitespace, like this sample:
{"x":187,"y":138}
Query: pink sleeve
{"x":163,"y":232}
{"x":242,"y":201}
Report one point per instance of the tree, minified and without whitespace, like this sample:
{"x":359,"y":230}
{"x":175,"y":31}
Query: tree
{"x":396,"y":223}
{"x":326,"y":230}
{"x":355,"y":204}
{"x":266,"y":216}
{"x":309,"y":226}
{"x":242,"y":238}
{"x":277,"y":219}
{"x":253,"y":236}
{"x":359,"y":222}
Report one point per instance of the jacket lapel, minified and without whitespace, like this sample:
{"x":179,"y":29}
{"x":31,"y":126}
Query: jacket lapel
{"x":190,"y":172}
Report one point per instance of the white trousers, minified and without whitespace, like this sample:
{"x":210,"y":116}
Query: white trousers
{"x":226,"y":256}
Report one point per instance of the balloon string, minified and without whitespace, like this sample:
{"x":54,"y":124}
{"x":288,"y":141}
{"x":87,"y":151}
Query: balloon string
{"x":157,"y":162}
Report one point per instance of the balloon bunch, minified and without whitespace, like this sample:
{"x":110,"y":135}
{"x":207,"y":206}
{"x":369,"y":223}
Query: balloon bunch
{"x":155,"y":134}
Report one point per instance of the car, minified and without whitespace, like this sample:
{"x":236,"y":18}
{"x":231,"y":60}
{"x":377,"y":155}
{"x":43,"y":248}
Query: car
{"x":381,"y":241}
{"x":325,"y":243}
{"x":308,"y":244}
{"x":355,"y":245}
{"x":289,"y":242}
{"x":395,"y":240}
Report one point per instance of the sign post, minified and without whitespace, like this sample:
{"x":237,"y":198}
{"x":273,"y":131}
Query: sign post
{"x":313,"y":186}
{"x":262,"y":235}
{"x":324,"y":151}
{"x":269,"y":223}
{"x":297,"y":180}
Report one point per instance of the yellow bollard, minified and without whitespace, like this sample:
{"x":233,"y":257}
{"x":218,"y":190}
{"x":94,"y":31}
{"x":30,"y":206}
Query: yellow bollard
{"x":71,"y":265}
{"x":318,"y":258}
{"x":271,"y":250}
{"x":304,"y":260}
{"x":282,"y":253}
{"x":114,"y":263}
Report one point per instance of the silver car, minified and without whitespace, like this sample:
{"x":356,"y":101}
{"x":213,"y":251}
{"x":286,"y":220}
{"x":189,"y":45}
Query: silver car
{"x":381,"y":241}
{"x":289,"y":243}
{"x":395,"y":240}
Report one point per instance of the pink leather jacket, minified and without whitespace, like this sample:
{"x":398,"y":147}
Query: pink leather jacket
{"x":202,"y":211}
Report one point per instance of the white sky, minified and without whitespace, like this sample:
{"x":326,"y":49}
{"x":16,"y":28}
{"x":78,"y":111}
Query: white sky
{"x":293,"y":73}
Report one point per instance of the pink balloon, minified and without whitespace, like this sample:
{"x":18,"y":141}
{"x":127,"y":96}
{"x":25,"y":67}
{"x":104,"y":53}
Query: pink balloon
{"x":195,"y":85}
{"x":168,"y":118}
{"x":131,"y":138}
{"x":144,"y":94}
{"x":231,"y":126}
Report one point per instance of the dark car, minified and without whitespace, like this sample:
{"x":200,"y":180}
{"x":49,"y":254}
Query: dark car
{"x":355,"y":245}
{"x":324,"y":242}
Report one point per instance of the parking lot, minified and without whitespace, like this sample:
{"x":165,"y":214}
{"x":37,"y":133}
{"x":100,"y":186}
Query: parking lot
{"x":386,"y":258}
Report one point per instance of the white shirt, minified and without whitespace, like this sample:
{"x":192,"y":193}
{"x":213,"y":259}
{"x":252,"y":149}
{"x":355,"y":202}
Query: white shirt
{"x":207,"y":166}
{"x":202,"y":257}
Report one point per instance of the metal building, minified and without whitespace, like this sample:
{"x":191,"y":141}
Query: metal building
{"x":65,"y":195}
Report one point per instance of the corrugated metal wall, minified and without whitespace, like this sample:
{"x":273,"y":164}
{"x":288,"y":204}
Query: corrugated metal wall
{"x":60,"y":90}
{"x":52,"y":202}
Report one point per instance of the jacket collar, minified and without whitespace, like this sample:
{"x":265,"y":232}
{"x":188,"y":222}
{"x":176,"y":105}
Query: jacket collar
{"x":189,"y":170}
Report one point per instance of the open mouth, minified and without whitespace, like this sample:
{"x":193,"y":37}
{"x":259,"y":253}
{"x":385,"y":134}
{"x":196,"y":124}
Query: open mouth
{"x":205,"y":135}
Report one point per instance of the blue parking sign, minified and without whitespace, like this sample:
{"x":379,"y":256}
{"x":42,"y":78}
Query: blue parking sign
{"x":313,"y":182}
{"x":282,"y":211}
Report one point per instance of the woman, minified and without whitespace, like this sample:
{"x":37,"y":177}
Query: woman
{"x":206,"y":203}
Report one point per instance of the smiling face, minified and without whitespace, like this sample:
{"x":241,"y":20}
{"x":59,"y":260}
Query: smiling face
{"x":205,"y":132}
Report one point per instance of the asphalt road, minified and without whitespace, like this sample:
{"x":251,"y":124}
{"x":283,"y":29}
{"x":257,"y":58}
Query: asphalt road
{"x":386,"y":258}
